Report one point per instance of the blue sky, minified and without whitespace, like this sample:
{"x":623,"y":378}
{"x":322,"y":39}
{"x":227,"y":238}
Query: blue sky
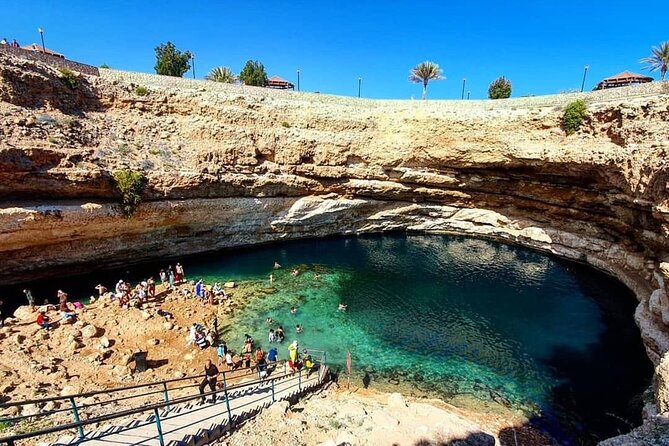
{"x":541,"y":46}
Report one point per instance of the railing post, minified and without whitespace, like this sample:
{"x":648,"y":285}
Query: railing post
{"x":225,"y":384}
{"x":299,"y":381}
{"x":273,"y":400}
{"x":324,"y":357}
{"x":166,"y":395}
{"x":159,"y":427}
{"x":227,"y":406}
{"x":75,"y":414}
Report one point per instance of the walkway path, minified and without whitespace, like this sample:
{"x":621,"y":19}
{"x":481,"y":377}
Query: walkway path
{"x":195,"y":424}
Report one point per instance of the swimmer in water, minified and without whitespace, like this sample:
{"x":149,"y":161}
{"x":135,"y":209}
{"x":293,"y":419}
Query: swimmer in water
{"x":295,"y":272}
{"x":293,"y":310}
{"x":342,"y":307}
{"x":277,"y":265}
{"x":269,"y":321}
{"x":298,"y":328}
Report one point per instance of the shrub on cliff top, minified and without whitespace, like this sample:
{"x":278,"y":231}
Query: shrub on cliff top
{"x":170,"y":61}
{"x":141,"y":91}
{"x":573,"y":117}
{"x":500,"y":88}
{"x":130,"y":184}
{"x":69,"y":78}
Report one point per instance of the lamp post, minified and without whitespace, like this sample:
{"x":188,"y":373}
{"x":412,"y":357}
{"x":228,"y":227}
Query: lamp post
{"x":468,"y":93}
{"x":298,"y":80}
{"x":464,"y":81}
{"x":192,"y":58}
{"x":359,"y":85}
{"x":585,"y":73}
{"x":41,"y":34}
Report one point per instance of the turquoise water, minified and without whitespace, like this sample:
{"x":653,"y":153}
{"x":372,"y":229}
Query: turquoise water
{"x":454,"y":318}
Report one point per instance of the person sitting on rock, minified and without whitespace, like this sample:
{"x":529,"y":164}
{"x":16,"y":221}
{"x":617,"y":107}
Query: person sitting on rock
{"x":43,"y":320}
{"x":272,"y":355}
{"x":68,"y":317}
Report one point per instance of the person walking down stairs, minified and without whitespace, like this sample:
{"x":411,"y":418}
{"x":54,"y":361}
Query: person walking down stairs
{"x":210,"y":376}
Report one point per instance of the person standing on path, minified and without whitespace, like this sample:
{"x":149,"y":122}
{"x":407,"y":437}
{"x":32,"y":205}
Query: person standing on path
{"x":62,"y":300}
{"x":210,"y":376}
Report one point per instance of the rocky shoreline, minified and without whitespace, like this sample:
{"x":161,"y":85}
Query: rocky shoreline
{"x":228,"y":167}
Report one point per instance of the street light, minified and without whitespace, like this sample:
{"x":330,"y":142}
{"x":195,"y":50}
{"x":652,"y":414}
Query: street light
{"x":41,"y":33}
{"x":464,"y":81}
{"x":359,"y":85}
{"x":468,"y":93}
{"x":585,"y":72}
{"x":298,"y":80}
{"x":192,"y":57}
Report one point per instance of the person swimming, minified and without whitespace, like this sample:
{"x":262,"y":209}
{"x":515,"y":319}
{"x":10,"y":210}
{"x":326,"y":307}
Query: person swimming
{"x":295,"y":272}
{"x":342,"y":307}
{"x":293,"y":310}
{"x":298,"y":328}
{"x":269,"y":321}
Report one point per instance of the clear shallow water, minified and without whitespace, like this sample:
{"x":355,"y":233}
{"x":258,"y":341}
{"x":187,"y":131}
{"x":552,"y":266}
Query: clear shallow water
{"x":449,"y":317}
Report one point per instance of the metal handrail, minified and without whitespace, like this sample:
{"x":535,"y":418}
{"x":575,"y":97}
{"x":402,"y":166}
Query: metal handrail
{"x":79,"y":424}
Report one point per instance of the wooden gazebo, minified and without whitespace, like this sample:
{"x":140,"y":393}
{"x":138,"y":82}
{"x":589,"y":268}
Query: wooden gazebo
{"x":279,"y":83}
{"x":622,"y":79}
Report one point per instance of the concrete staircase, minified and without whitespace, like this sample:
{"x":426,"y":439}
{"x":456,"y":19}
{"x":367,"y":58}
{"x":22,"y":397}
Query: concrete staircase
{"x":194,"y":423}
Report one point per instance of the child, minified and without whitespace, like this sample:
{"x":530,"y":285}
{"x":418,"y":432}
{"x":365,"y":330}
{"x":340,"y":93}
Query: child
{"x":221,"y":352}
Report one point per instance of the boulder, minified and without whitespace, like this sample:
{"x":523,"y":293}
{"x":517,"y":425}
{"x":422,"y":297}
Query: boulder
{"x":153,"y":341}
{"x":146,"y":315}
{"x":396,"y":400}
{"x":104,"y":342}
{"x":168,"y":325}
{"x":90,"y":331}
{"x":18,"y":339}
{"x":229,"y":285}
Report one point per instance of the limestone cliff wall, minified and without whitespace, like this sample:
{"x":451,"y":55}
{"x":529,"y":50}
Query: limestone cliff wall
{"x":229,"y":166}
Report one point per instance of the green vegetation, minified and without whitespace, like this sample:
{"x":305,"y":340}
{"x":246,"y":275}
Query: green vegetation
{"x":130,"y":184}
{"x":104,"y":65}
{"x":659,"y":59}
{"x":425,"y":72}
{"x":285,"y":124}
{"x":254,"y":74}
{"x":573,"y":117}
{"x":335,"y":424}
{"x":141,"y":91}
{"x":52,"y":140}
{"x":69,"y":78}
{"x":500,"y":88}
{"x":170,"y":61}
{"x":221,"y":74}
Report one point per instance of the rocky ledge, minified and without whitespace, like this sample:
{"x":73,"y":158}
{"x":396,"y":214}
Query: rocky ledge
{"x":228,"y":166}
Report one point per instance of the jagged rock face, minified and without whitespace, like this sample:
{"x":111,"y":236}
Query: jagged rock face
{"x":229,"y":166}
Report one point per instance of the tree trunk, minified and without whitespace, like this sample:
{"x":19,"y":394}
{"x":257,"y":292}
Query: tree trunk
{"x":424,"y":90}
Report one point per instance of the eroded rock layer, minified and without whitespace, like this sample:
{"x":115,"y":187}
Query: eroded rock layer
{"x":229,"y":166}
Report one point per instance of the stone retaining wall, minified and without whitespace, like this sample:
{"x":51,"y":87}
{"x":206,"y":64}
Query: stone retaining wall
{"x":51,"y":60}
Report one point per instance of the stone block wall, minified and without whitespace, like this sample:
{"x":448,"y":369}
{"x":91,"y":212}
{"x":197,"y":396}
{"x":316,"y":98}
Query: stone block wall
{"x":51,"y":60}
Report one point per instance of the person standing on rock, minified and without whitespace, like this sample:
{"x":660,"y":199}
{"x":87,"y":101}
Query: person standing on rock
{"x":210,"y":376}
{"x":170,"y":276}
{"x":180,"y":275}
{"x":163,"y":278}
{"x":62,"y":301}
{"x":31,"y":299}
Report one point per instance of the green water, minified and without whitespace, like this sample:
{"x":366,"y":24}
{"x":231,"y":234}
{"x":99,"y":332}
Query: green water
{"x":454,"y":318}
{"x":446,"y":317}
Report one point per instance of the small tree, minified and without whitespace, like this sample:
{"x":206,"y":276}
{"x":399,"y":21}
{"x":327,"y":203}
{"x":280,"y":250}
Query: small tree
{"x":573,"y":117}
{"x":221,"y":74}
{"x":500,"y":88}
{"x":425,"y":72}
{"x":170,"y":61}
{"x":254,"y":74}
{"x":130,"y":184}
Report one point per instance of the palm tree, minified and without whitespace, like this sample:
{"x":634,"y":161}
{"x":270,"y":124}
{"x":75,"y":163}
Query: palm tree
{"x":221,"y":74}
{"x":659,"y":60}
{"x":424,"y":72}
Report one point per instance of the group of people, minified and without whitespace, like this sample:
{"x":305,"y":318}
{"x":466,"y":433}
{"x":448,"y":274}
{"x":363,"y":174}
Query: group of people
{"x":14,"y":43}
{"x":172,"y":276}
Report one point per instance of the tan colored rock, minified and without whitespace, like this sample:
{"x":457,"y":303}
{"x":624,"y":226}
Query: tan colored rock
{"x":662,"y":385}
{"x":90,"y":331}
{"x":104,"y":342}
{"x":153,"y":341}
